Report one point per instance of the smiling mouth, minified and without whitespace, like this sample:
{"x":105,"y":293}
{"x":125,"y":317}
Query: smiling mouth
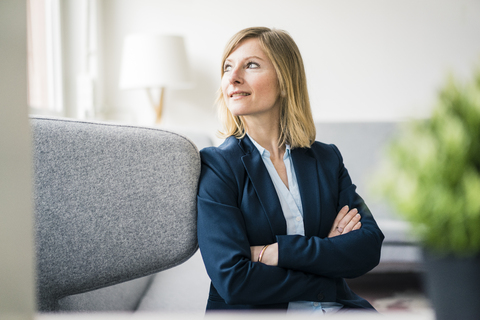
{"x":237,"y":94}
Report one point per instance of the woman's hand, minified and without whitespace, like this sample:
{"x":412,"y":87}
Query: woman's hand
{"x":269,"y":257}
{"x":346,"y":221}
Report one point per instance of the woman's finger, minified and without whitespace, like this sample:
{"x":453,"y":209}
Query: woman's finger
{"x":341,"y":214}
{"x":357,"y":226}
{"x":346,"y":220}
{"x":352,"y":223}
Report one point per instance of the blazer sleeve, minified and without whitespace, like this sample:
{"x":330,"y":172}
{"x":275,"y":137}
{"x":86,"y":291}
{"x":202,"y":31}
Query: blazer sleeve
{"x":346,"y":256}
{"x":225,"y":247}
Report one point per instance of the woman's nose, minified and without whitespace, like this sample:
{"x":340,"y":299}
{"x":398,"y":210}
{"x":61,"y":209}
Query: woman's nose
{"x":235,"y":76}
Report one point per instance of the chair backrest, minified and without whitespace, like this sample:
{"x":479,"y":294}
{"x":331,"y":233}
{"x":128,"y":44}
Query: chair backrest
{"x":112,"y":203}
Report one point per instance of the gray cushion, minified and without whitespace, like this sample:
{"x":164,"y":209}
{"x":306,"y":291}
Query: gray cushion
{"x":112,"y":203}
{"x":183,"y":288}
{"x":125,"y":296}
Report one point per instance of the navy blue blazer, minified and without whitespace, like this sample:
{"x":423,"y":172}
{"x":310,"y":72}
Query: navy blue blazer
{"x":238,"y":207}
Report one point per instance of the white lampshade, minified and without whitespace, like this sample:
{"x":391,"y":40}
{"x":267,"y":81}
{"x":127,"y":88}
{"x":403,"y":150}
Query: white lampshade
{"x":153,"y":61}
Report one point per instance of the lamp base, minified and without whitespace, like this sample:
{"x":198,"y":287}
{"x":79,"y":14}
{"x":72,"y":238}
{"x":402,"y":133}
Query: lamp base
{"x":157,"y":106}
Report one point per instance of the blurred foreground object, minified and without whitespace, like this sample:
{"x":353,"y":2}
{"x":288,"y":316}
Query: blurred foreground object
{"x":431,"y":176}
{"x":432,"y":172}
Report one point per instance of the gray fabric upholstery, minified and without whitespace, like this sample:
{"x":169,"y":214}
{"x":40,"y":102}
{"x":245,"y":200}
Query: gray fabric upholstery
{"x":125,"y":296}
{"x":112,"y":203}
{"x":184,"y":288}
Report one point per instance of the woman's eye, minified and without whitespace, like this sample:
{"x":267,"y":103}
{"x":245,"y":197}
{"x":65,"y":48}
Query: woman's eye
{"x":252,"y":65}
{"x":227,"y":68}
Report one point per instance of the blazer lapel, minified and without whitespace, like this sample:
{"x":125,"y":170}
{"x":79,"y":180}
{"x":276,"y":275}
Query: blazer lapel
{"x":264,"y":187}
{"x":307,"y":176}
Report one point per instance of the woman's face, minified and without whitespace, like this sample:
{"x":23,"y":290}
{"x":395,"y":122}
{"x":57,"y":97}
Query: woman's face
{"x":250,"y":83}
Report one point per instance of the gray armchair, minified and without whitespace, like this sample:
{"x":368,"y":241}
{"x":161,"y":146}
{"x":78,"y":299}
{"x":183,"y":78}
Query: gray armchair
{"x":112,"y":203}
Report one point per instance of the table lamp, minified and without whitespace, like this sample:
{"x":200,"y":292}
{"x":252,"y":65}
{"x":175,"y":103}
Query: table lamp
{"x":152,"y":62}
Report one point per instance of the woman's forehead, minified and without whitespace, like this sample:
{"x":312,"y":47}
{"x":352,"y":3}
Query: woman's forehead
{"x":248,"y":46}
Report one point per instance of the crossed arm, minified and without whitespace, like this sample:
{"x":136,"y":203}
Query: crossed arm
{"x":301,"y":266}
{"x":347,"y":220}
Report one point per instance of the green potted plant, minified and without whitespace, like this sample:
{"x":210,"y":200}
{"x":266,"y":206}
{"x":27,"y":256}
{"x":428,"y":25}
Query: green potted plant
{"x":431,"y":177}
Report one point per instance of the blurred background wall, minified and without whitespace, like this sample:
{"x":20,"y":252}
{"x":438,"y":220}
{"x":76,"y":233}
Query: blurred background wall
{"x":365,"y":60}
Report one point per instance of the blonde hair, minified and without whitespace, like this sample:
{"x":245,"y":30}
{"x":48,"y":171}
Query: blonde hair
{"x":296,"y":122}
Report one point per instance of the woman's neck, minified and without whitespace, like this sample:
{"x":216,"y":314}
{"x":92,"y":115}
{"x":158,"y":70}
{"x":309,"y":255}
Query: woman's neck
{"x":267,"y":135}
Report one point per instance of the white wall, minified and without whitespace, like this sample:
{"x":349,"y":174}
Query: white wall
{"x":366,"y":60}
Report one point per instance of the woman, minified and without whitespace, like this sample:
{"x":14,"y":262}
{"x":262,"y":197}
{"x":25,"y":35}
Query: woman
{"x":279,"y":222}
